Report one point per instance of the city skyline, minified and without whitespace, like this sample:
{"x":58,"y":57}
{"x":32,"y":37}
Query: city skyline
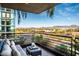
{"x":64,"y":15}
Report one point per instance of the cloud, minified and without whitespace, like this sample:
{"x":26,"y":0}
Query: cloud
{"x":69,"y":10}
{"x":72,"y":8}
{"x":64,"y":14}
{"x":76,"y":7}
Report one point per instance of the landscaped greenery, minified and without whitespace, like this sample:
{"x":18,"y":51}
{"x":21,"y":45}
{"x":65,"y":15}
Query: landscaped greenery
{"x":40,"y":39}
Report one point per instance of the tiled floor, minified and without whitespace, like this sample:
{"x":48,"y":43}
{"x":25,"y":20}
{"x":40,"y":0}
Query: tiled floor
{"x":44,"y":52}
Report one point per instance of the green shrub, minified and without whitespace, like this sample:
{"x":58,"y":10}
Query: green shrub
{"x":39,"y":39}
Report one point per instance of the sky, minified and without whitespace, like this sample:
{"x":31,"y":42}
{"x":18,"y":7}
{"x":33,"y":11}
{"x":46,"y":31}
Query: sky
{"x":64,"y":15}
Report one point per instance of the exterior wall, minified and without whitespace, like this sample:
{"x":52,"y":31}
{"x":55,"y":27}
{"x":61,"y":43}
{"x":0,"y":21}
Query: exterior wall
{"x":7,"y":25}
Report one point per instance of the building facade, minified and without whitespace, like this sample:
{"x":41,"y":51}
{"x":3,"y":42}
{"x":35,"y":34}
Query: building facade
{"x":7,"y":23}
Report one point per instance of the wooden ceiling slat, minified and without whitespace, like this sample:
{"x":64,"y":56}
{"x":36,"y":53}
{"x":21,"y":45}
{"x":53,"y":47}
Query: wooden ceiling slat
{"x":31,"y":7}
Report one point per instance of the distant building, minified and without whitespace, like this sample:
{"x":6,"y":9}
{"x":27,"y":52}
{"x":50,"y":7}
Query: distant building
{"x":7,"y":25}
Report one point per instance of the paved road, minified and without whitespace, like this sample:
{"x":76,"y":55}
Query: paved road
{"x":44,"y":52}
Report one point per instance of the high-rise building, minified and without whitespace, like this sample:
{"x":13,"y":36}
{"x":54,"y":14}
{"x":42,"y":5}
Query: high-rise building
{"x":7,"y":23}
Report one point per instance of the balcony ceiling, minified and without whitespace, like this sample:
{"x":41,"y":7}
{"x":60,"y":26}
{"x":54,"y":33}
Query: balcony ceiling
{"x":29,"y":7}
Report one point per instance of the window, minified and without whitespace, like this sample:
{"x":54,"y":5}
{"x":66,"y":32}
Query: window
{"x":3,"y":14}
{"x":6,"y":18}
{"x":12,"y":28}
{"x":8,"y":23}
{"x":0,"y":21}
{"x":2,"y":9}
{"x":0,"y":14}
{"x":3,"y":22}
{"x":0,"y":29}
{"x":12,"y":22}
{"x":7,"y":15}
{"x":12,"y":16}
{"x":3,"y":28}
{"x":7,"y":29}
{"x":8,"y":10}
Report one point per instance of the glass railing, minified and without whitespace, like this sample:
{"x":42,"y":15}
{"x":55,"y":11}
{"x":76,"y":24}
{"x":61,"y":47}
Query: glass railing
{"x":64,"y":44}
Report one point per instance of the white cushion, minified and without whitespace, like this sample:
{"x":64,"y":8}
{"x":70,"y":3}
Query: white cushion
{"x":15,"y":52}
{"x":6,"y":50}
{"x":8,"y":42}
{"x":12,"y":43}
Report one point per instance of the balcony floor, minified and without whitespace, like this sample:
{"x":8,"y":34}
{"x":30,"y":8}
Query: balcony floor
{"x":44,"y":52}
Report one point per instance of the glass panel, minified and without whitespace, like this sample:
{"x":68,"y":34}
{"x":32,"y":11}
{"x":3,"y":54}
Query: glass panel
{"x":0,"y":29}
{"x":12,"y":16}
{"x":0,"y":14}
{"x":12,"y":11}
{"x":8,"y":15}
{"x":3,"y":15}
{"x":12,"y":29}
{"x":8,"y":10}
{"x":8,"y":23}
{"x":12,"y":22}
{"x":8,"y":29}
{"x":2,"y":9}
{"x":77,"y":47}
{"x":3,"y":28}
{"x":0,"y":21}
{"x":3,"y":23}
